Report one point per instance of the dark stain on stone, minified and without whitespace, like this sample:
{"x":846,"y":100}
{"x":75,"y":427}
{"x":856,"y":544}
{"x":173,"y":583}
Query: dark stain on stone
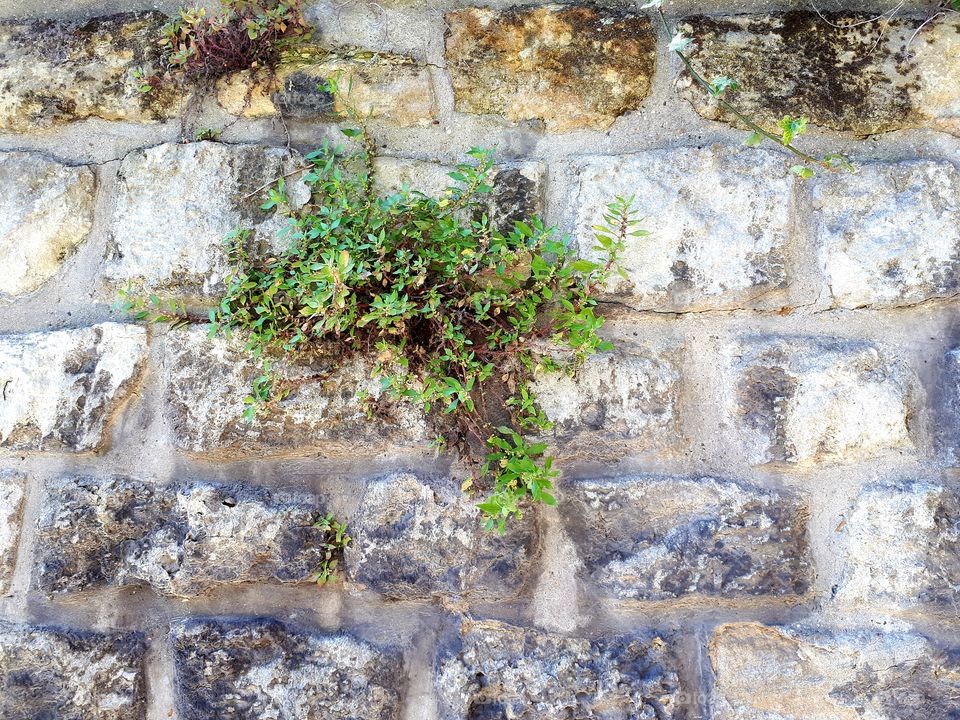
{"x":762,"y":391}
{"x":302,"y":97}
{"x":799,"y":65}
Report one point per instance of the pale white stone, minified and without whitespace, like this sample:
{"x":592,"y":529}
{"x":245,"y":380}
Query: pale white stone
{"x":630,"y":392}
{"x":60,"y":387}
{"x":806,"y":400}
{"x":176,"y":203}
{"x":902,"y":547}
{"x":889,"y":234}
{"x":719,"y":221}
{"x":46,"y":211}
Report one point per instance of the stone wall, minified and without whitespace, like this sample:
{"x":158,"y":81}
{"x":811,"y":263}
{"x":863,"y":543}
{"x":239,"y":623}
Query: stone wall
{"x":759,"y":516}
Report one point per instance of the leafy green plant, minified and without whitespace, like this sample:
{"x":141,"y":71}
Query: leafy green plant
{"x":720,"y":89}
{"x":333,"y":543}
{"x":211,"y":134}
{"x":460,"y":315}
{"x":242,"y":35}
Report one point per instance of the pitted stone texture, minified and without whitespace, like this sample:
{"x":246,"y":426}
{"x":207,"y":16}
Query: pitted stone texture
{"x":792,"y":673}
{"x":175,"y":204}
{"x":890,"y":233}
{"x":719,"y":220}
{"x":59,"y":72}
{"x":570,"y":66}
{"x":655,"y":538}
{"x":181,"y":540}
{"x":805,"y":400}
{"x":46,"y":210}
{"x":864,"y":77}
{"x":384,"y":87}
{"x":61,"y":674}
{"x":251,"y":669}
{"x":948,"y":395}
{"x":61,"y":387}
{"x":207,"y":380}
{"x":414,"y":538}
{"x":517,"y":189}
{"x":630,"y":393}
{"x":495,"y":670}
{"x":11,"y":517}
{"x":903,"y":547}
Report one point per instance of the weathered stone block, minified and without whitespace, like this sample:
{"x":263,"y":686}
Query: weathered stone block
{"x":865,"y":77}
{"x":11,"y":517}
{"x":517,"y":189}
{"x":48,"y":672}
{"x":655,"y":538}
{"x":175,"y":204}
{"x":57,"y":72}
{"x":719,"y":220}
{"x":570,"y":66}
{"x":630,"y":393}
{"x":890,"y":234}
{"x":792,"y":673}
{"x":415,"y":538}
{"x":61,"y":387}
{"x":494,"y":670}
{"x":948,"y":397}
{"x":46,"y":210}
{"x":250,"y":669}
{"x":181,"y":540}
{"x":805,"y":400}
{"x":207,"y":381}
{"x":382,"y":86}
{"x":903,"y":547}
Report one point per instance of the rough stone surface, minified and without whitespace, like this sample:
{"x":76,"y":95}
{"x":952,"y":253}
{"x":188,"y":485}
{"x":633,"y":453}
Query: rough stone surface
{"x":630,"y":393}
{"x":413,"y":538}
{"x":384,"y":87}
{"x":494,"y":670}
{"x":58,"y":72}
{"x":903,"y":547}
{"x":948,"y":399}
{"x":863,"y":77}
{"x":262,"y":668}
{"x":54,"y":673}
{"x":804,"y":400}
{"x":655,"y":538}
{"x":61,"y":387}
{"x":517,"y":189}
{"x":719,"y":220}
{"x":11,"y":509}
{"x":569,"y":66}
{"x":207,"y":381}
{"x":46,"y":210}
{"x":181,"y":540}
{"x":890,"y":234}
{"x":791,"y":673}
{"x":175,"y":204}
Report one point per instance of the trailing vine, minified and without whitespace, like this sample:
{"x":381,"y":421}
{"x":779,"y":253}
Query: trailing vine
{"x":720,"y":89}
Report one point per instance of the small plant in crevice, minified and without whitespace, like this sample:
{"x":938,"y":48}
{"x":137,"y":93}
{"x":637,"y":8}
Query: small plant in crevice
{"x":333,"y":543}
{"x":720,"y":89}
{"x":198,"y":46}
{"x":458,"y":315}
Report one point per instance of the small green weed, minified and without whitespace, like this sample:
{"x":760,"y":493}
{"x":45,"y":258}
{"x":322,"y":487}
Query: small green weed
{"x":333,"y":543}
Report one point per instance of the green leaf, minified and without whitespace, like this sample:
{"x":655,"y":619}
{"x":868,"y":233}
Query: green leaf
{"x":802,"y":171}
{"x":754,"y":140}
{"x":680,"y":42}
{"x":723,"y":83}
{"x":792,"y":128}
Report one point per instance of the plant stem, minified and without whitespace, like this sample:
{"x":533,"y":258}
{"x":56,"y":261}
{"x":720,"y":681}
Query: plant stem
{"x":729,"y":107}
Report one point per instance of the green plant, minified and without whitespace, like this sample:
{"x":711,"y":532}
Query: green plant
{"x":720,"y":88}
{"x":333,"y":543}
{"x":154,"y":309}
{"x":210,"y":134}
{"x":458,"y":313}
{"x":242,"y":35}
